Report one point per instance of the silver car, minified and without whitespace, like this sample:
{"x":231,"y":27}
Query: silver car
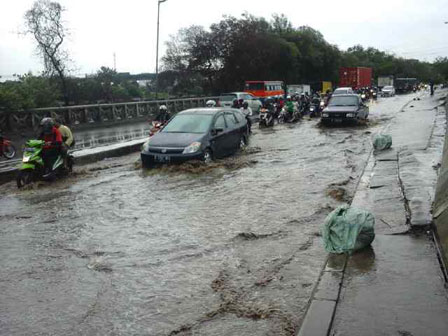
{"x":388,"y":91}
{"x":227,"y":99}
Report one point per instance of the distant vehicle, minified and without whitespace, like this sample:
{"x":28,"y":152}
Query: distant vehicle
{"x":226,"y":100}
{"x":343,"y":90}
{"x":388,"y":91}
{"x":263,"y":89}
{"x":197,"y":134}
{"x":403,"y":85}
{"x":355,"y":78}
{"x":385,"y":81}
{"x":348,"y":107}
{"x":298,"y":89}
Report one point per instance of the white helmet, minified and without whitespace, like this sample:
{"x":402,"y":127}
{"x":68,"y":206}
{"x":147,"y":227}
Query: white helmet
{"x":210,"y":103}
{"x":162,"y":107}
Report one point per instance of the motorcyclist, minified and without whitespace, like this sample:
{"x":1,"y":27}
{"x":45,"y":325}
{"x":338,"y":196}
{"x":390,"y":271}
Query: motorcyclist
{"x":247,"y":111}
{"x":67,"y":135}
{"x":210,"y":103}
{"x":163,"y":116}
{"x":235,"y":104}
{"x":289,"y":105}
{"x":53,"y":142}
{"x":67,"y":139}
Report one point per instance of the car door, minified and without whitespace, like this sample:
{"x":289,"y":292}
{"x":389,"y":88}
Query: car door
{"x":220,"y":137}
{"x":234,"y":131}
{"x":363,"y":109}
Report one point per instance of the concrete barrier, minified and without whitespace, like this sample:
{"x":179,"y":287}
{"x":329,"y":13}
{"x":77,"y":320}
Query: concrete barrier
{"x":440,"y":209}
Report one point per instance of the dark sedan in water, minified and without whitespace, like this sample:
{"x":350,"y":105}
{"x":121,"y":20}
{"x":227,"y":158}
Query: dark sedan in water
{"x":197,"y":134}
{"x":347,"y":107}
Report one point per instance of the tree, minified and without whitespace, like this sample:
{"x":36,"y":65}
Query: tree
{"x":44,"y":22}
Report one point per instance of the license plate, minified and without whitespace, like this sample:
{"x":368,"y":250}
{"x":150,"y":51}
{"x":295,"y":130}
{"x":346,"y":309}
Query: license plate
{"x":337,"y":120}
{"x":162,"y":158}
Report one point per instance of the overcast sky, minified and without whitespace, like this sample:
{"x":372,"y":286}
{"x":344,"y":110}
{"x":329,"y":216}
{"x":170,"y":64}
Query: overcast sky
{"x":100,"y":28}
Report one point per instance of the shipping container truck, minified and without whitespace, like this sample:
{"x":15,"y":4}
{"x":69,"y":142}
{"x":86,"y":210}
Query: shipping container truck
{"x":355,"y":78}
{"x":385,"y":81}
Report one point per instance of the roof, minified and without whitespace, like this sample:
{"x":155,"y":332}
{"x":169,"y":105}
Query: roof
{"x":205,"y":110}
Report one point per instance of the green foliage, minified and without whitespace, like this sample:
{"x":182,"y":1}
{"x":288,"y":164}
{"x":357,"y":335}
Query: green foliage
{"x":28,"y":92}
{"x":250,"y":48}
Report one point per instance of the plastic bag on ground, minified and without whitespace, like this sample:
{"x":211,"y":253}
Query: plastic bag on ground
{"x":382,"y":142}
{"x":347,"y":229}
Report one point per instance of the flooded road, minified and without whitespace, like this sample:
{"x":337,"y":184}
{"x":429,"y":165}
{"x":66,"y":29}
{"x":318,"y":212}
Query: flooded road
{"x":227,"y":249}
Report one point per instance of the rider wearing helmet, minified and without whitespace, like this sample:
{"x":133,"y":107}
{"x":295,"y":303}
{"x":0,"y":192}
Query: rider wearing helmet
{"x":210,"y":103}
{"x":247,"y":111}
{"x":163,"y":115}
{"x":53,"y":142}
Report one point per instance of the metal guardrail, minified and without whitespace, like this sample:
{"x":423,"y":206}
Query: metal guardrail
{"x":94,"y":114}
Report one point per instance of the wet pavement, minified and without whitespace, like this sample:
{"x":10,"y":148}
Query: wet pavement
{"x":397,"y":287}
{"x":227,"y":249}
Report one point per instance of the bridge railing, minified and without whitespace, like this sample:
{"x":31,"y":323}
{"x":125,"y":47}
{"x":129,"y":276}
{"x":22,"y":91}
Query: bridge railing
{"x":80,"y":115}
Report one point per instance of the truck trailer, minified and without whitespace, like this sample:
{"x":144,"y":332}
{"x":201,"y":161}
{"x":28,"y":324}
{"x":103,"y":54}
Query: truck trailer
{"x":355,"y":78}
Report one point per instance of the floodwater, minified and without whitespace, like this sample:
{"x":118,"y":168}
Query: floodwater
{"x":227,"y":249}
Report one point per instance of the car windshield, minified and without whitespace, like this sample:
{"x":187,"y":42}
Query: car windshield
{"x":228,"y":97}
{"x":387,"y":88}
{"x":343,"y":101}
{"x":189,"y":123}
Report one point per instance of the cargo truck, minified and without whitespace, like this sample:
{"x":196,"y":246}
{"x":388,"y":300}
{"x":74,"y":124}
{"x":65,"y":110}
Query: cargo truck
{"x":403,"y":85}
{"x":385,"y":81}
{"x":355,"y":78}
{"x":298,"y":89}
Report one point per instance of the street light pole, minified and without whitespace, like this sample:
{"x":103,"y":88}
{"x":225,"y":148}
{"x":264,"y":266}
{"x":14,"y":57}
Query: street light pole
{"x":157,"y":47}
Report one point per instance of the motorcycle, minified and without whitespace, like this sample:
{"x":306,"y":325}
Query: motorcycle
{"x":7,"y":149}
{"x":33,"y":167}
{"x":267,"y":118}
{"x":315,"y":108}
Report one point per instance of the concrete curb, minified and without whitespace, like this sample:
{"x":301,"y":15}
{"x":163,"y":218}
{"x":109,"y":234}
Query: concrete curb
{"x":86,"y":156}
{"x":320,"y":312}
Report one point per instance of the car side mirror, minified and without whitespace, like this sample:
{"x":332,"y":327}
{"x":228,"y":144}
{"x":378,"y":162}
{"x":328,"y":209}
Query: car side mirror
{"x":216,"y":131}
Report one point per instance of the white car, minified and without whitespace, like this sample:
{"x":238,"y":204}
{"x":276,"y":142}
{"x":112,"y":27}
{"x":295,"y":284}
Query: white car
{"x":226,"y":100}
{"x":388,"y":91}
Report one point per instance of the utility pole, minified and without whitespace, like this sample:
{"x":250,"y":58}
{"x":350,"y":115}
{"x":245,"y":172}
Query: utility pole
{"x":115,"y":62}
{"x":157,"y":47}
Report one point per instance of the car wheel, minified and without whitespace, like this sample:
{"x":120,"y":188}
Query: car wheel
{"x":208,"y":155}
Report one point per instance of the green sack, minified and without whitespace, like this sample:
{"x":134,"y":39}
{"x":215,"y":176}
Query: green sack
{"x":348,"y":229}
{"x":382,"y":141}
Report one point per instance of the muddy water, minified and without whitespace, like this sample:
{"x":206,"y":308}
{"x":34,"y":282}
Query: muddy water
{"x":227,"y":249}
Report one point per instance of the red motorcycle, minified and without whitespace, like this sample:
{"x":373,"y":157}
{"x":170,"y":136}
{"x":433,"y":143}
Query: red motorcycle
{"x":7,"y":149}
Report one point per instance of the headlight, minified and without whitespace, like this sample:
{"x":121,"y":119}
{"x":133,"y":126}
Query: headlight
{"x":350,"y":115}
{"x":193,"y":148}
{"x":145,"y":146}
{"x":325,"y":115}
{"x":363,"y":96}
{"x":322,"y":103}
{"x":26,"y":158}
{"x":311,"y":108}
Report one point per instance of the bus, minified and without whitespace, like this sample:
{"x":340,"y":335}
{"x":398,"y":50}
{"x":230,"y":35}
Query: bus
{"x":263,"y":89}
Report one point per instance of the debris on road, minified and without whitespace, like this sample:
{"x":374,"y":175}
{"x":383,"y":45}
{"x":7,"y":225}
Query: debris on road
{"x":348,"y":229}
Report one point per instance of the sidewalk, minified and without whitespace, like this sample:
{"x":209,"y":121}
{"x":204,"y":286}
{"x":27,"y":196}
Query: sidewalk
{"x":396,"y":287}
